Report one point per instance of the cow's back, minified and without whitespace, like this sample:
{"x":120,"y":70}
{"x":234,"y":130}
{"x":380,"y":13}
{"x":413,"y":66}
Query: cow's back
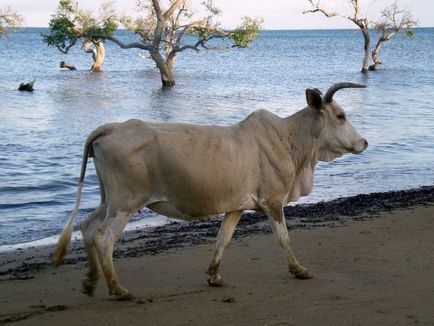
{"x":199,"y":170}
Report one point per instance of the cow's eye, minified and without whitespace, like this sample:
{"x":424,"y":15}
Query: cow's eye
{"x":341,"y":116}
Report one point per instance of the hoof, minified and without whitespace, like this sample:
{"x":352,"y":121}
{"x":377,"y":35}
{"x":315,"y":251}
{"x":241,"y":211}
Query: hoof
{"x":122,"y":294}
{"x":216,"y":282}
{"x":88,"y":287}
{"x":125,"y":297}
{"x":303,"y":275}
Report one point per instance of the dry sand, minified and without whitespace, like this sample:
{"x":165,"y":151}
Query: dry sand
{"x":374,"y":272}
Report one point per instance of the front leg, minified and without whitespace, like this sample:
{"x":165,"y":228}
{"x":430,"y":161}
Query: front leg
{"x":278,"y":224}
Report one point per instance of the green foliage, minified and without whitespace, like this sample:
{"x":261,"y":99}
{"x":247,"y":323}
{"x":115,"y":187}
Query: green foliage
{"x":70,"y":24}
{"x":410,"y":33}
{"x":244,"y":34}
{"x":109,"y":27}
{"x":201,"y":32}
{"x":66,"y":6}
{"x":106,"y":28}
{"x":62,"y":33}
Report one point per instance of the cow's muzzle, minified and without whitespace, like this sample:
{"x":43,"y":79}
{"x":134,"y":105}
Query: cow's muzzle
{"x":361,"y":146}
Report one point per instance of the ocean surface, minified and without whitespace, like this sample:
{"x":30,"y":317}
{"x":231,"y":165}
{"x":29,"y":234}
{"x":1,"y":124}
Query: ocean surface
{"x":42,"y":133}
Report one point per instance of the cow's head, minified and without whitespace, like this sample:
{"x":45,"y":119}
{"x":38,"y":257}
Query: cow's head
{"x":334,"y":132}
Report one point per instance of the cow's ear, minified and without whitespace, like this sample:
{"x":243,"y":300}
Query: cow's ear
{"x":314,"y":99}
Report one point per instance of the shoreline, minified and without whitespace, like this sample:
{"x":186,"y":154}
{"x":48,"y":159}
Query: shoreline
{"x":374,"y":270}
{"x":22,"y":262}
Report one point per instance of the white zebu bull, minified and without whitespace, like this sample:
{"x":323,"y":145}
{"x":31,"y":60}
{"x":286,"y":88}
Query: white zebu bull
{"x":188,"y":171}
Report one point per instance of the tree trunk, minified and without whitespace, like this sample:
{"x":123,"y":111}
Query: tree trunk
{"x":98,"y":53}
{"x":367,"y":46}
{"x":377,"y":50}
{"x":166,"y":69}
{"x":98,"y":56}
{"x":383,"y":38}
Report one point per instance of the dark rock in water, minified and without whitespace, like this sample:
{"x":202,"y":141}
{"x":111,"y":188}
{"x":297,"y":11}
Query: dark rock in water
{"x":28,"y":87}
{"x":63,"y":64}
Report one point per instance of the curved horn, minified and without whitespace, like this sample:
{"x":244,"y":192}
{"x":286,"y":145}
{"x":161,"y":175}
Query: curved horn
{"x":328,"y":97}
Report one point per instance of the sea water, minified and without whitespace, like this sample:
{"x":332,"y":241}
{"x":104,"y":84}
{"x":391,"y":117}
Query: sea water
{"x":42,"y":133}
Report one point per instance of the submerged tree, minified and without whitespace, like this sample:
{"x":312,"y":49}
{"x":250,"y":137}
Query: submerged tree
{"x":165,"y":32}
{"x":71,"y":24}
{"x":393,"y":21}
{"x":9,"y":19}
{"x":356,"y":18}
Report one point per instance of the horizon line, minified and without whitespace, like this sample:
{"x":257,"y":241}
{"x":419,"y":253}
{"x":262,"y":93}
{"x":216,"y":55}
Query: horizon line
{"x":263,"y":29}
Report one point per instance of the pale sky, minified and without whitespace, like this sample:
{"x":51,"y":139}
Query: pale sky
{"x":277,"y":14}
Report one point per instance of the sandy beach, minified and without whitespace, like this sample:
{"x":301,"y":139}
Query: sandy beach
{"x":371,"y":257}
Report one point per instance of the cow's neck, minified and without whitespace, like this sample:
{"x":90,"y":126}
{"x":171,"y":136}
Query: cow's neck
{"x":302,"y":150}
{"x":300,"y":140}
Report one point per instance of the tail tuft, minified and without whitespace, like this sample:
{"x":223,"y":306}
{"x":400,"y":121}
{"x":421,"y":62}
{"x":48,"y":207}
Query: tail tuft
{"x":62,"y":244}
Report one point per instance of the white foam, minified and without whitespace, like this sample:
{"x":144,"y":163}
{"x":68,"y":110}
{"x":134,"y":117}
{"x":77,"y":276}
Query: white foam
{"x":136,"y":225}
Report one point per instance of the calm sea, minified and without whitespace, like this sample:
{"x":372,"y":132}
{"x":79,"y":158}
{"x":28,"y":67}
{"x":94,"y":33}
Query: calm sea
{"x":42,"y":133}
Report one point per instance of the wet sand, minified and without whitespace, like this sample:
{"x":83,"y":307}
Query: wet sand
{"x":371,"y":256}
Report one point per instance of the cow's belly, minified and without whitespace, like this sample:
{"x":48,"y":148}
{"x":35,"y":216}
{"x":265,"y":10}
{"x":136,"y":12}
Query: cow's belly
{"x":194,"y":211}
{"x":170,"y":210}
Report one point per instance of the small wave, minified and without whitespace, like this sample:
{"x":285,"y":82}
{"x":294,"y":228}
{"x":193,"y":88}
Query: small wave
{"x":48,"y":186}
{"x":31,"y":204}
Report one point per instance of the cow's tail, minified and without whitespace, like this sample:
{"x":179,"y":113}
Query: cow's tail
{"x":65,"y":236}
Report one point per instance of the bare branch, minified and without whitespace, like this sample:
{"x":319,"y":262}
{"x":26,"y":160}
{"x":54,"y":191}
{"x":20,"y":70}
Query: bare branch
{"x":157,"y":8}
{"x":122,"y":45}
{"x":9,"y":19}
{"x":394,"y":20}
{"x":188,"y":47}
{"x":176,"y":4}
{"x":317,"y":8}
{"x":65,"y":49}
{"x":186,"y":29}
{"x":356,"y":6}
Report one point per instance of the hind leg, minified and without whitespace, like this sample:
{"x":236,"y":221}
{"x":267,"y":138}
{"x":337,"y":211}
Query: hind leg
{"x":105,"y":238}
{"x":226,"y":231}
{"x":88,"y":229}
